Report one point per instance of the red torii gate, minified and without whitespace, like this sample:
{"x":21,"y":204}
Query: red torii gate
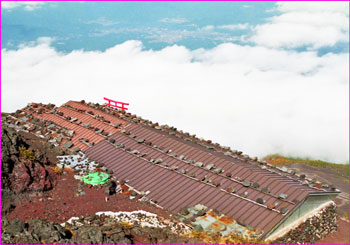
{"x":114,"y":103}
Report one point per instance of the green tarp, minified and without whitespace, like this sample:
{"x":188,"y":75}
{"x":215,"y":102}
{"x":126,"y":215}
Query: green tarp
{"x":95,"y":178}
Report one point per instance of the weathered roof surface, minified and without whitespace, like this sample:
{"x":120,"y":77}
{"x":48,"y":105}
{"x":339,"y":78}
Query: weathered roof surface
{"x":82,"y":106}
{"x":87,"y":127}
{"x":173,"y":190}
{"x":178,"y":168}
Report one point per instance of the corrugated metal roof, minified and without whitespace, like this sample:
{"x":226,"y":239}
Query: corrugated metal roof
{"x":85,"y":126}
{"x":79,"y":131}
{"x":245,"y":171}
{"x":174,"y":165}
{"x":82,"y":106}
{"x":173,"y":190}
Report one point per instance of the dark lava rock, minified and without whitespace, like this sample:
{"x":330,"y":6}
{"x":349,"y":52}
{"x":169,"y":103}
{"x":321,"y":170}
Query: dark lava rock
{"x":198,"y":228}
{"x":47,"y":231}
{"x":15,"y":226}
{"x":110,"y":187}
{"x":260,"y":200}
{"x":20,"y":173}
{"x":76,"y":150}
{"x":35,"y":231}
{"x":23,"y":169}
{"x":118,"y":125}
{"x":68,"y":145}
{"x":10,"y":143}
{"x":140,"y":141}
{"x":87,"y":230}
{"x":88,"y":235}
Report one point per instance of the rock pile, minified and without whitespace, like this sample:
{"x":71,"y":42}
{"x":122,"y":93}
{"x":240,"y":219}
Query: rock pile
{"x":313,"y":229}
{"x":203,"y":219}
{"x":79,"y":163}
{"x":25,"y":121}
{"x":86,"y":230}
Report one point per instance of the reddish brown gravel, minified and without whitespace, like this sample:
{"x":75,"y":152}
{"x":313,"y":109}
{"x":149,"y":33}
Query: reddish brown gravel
{"x":62,"y":203}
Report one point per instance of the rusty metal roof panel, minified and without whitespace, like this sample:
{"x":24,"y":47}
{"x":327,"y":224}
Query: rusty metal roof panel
{"x":80,"y":132}
{"x":173,"y":190}
{"x":67,"y":125}
{"x":169,"y":189}
{"x":87,"y":119}
{"x":175,"y":144}
{"x":83,"y":106}
{"x":181,"y":164}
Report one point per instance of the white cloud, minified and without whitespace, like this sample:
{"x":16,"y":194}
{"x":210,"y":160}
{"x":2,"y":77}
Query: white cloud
{"x":313,"y":24}
{"x":45,"y":41}
{"x":235,"y":27}
{"x":28,"y":5}
{"x":316,"y":6}
{"x":174,"y":20}
{"x":255,"y":99}
{"x":208,"y":28}
{"x":170,"y":36}
{"x":103,"y":21}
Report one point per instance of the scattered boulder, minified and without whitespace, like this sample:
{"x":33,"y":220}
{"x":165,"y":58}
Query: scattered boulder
{"x":140,"y":141}
{"x":87,"y":125}
{"x":110,"y":187}
{"x":68,"y":145}
{"x":198,"y":228}
{"x":100,"y":131}
{"x":76,"y":150}
{"x":260,"y":200}
{"x":117,"y":125}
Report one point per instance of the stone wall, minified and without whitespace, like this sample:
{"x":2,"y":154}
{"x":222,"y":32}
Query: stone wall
{"x":313,"y":229}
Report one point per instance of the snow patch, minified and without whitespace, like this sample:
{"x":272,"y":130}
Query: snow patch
{"x":143,"y":218}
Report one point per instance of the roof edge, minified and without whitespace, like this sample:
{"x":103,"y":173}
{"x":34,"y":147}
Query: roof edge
{"x":283,"y":219}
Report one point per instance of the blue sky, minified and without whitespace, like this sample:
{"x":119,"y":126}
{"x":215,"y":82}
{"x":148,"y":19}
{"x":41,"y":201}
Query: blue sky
{"x":261,"y":77}
{"x":101,"y":25}
{"x":97,"y":26}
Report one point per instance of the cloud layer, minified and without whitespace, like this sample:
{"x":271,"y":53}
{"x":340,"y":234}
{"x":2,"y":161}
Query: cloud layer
{"x":174,"y":20}
{"x":255,"y":99}
{"x":28,"y":5}
{"x":312,"y":24}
